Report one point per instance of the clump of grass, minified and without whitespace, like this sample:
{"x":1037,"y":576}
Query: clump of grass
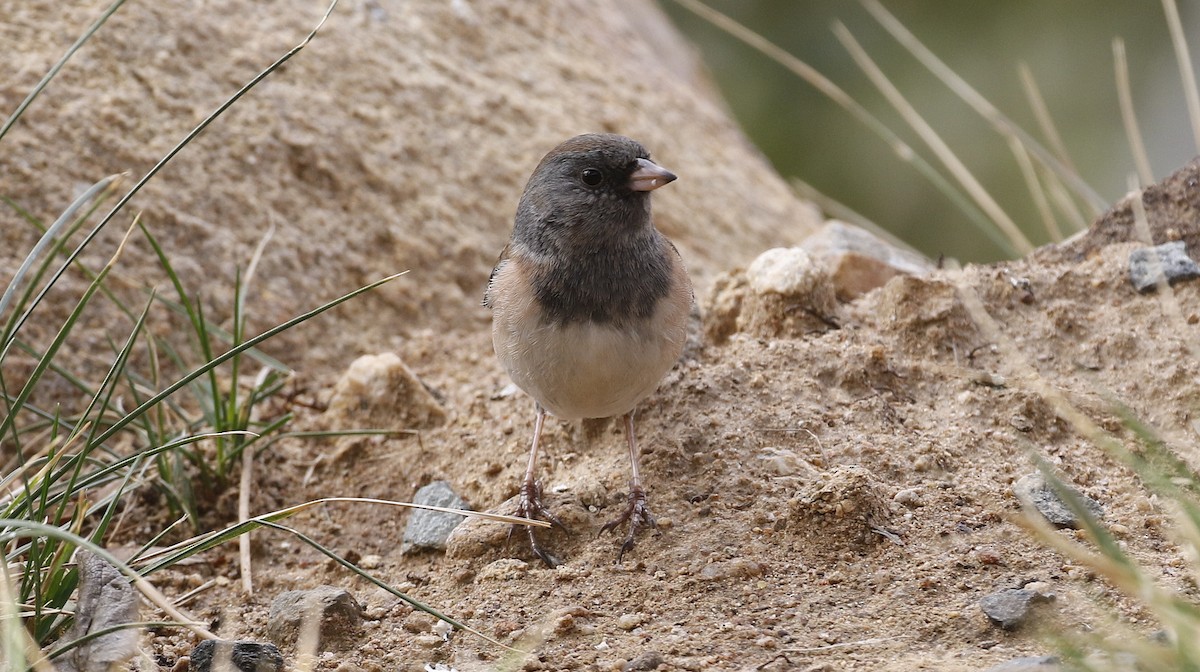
{"x":69,"y":472}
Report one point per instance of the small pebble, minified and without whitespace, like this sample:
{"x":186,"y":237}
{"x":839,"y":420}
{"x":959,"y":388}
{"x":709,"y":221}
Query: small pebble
{"x":1148,"y":264}
{"x":648,"y":660}
{"x":242,"y":656}
{"x":629,"y":621}
{"x":428,"y":530}
{"x":1009,"y":609}
{"x":1033,"y":490}
{"x":908,"y":497}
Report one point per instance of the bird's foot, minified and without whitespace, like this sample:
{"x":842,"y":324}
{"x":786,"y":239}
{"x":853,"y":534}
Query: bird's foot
{"x":529,"y":505}
{"x":637,"y":514}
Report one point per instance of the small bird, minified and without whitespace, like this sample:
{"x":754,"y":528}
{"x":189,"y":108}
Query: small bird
{"x":589,"y":301}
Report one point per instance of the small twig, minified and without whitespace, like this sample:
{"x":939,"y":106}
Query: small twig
{"x":1128,"y":117}
{"x":182,"y":600}
{"x":1045,"y":120}
{"x":244,"y":484}
{"x":1016,"y":239}
{"x":1186,"y":73}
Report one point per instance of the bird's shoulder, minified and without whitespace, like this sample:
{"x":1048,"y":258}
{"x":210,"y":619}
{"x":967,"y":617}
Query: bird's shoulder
{"x":489,"y":294}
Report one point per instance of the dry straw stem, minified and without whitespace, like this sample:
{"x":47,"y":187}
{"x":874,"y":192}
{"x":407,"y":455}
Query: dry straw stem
{"x":247,"y":475}
{"x":1058,"y":191}
{"x":1125,"y":96}
{"x":985,"y":109}
{"x":818,"y":81}
{"x":246,"y":482}
{"x":939,"y":147}
{"x":1112,"y":563}
{"x":1045,"y":120}
{"x":1166,"y":295}
{"x":1035,"y":189}
{"x":1175,"y":25}
{"x":207,"y":538}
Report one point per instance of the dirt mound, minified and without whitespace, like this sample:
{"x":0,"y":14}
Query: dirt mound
{"x":834,"y":496}
{"x":833,"y":484}
{"x":399,"y":139}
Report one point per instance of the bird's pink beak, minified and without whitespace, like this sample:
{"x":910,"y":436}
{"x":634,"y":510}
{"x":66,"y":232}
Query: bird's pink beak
{"x":649,"y":176}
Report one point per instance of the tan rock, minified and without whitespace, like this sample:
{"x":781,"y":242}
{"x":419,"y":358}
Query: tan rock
{"x":380,"y":392}
{"x":858,"y":260}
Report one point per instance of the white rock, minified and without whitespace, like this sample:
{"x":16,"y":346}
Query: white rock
{"x":783,"y":270}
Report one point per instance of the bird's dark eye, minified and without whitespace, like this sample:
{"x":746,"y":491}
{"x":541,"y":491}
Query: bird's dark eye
{"x":591,"y":176}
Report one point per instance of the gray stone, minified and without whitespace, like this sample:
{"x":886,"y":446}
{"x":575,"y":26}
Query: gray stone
{"x":1027,"y":664}
{"x":428,"y":530}
{"x":332,"y":614}
{"x":1148,"y":264}
{"x":858,"y":261}
{"x":104,"y":599}
{"x":647,"y":660}
{"x":244,"y":656}
{"x":1010,"y":608}
{"x":1033,"y":490}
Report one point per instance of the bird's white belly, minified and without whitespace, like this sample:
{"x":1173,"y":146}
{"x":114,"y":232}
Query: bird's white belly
{"x":584,"y":369}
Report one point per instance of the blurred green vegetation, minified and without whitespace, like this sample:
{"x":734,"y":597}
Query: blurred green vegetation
{"x":1067,"y":44}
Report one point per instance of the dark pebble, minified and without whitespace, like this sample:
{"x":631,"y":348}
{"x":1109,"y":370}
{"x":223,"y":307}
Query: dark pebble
{"x":245,"y":656}
{"x":1010,"y":608}
{"x":649,"y":660}
{"x":1148,"y":264}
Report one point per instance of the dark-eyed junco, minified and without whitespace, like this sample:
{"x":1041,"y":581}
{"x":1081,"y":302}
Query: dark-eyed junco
{"x":590,"y":302}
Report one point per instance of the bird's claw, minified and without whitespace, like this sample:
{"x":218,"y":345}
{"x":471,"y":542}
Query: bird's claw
{"x":529,"y":505}
{"x":637,"y":514}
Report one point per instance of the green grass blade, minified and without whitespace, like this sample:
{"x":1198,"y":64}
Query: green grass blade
{"x":227,"y":337}
{"x":54,"y":69}
{"x":413,"y":602}
{"x":22,"y":397}
{"x":154,"y":170}
{"x":235,"y":351}
{"x":47,"y":238}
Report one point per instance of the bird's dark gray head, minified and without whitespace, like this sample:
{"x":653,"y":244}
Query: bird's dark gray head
{"x":589,"y":188}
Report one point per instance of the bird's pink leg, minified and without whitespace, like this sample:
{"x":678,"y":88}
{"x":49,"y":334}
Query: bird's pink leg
{"x":529,"y":504}
{"x":637,"y":514}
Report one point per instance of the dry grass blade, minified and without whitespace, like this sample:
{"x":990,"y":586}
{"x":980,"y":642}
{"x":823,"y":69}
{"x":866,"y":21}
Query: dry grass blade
{"x":1166,"y":295}
{"x":15,"y":640}
{"x":999,"y":121}
{"x":946,"y":155}
{"x":206,"y":539}
{"x":1179,"y":42}
{"x":821,"y":83}
{"x":1063,"y":201}
{"x":244,"y":485}
{"x":1035,"y":189}
{"x":155,"y":597}
{"x":96,"y":192}
{"x":1045,"y":120}
{"x":838,"y":210}
{"x":1125,"y":95}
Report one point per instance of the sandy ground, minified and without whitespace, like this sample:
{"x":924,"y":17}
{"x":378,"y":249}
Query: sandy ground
{"x":772,"y":453}
{"x":769,"y":460}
